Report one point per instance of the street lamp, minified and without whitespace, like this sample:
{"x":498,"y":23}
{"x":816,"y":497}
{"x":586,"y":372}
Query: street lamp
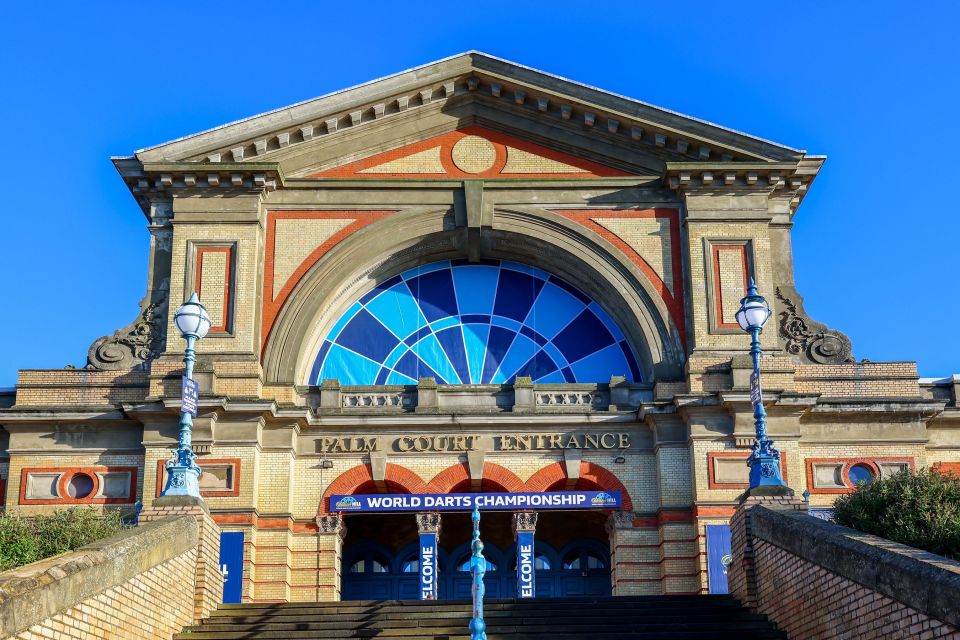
{"x":183,"y":474}
{"x":764,"y":460}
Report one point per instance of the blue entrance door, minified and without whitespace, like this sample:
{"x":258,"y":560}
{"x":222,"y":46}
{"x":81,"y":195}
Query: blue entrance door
{"x":231,"y":563}
{"x":718,"y":556}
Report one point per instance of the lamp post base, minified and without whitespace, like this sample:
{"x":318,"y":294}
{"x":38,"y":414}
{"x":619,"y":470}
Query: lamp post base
{"x":765,"y":471}
{"x":182,"y":481}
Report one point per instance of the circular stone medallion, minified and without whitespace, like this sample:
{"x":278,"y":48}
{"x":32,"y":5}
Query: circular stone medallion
{"x":473,"y":154}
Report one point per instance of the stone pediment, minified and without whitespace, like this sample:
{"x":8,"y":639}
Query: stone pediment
{"x":566,"y":124}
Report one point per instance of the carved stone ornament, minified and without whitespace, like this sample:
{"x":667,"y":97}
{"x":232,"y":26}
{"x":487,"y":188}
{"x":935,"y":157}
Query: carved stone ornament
{"x":811,"y":341}
{"x":332,"y":524}
{"x":620,"y":520}
{"x":135,"y":344}
{"x":525,"y":521}
{"x":428,"y":522}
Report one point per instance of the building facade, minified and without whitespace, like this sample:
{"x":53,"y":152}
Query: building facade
{"x":469,"y":277}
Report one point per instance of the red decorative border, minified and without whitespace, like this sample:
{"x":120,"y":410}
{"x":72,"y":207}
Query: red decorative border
{"x":219,"y":462}
{"x":446,"y":141}
{"x":940,"y":467}
{"x":845,"y":471}
{"x":674,"y":301}
{"x":717,"y":284}
{"x":227,"y":281}
{"x":711,"y":455}
{"x":66,"y":473}
{"x":271,"y":305}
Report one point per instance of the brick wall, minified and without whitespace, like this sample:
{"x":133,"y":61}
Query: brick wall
{"x":819,"y":580}
{"x":139,"y":584}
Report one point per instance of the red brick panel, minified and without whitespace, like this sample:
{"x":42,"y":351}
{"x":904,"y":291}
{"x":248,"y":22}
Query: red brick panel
{"x":66,"y":474}
{"x":871,"y":463}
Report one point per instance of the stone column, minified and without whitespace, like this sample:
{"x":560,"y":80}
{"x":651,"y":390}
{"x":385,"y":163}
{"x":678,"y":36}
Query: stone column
{"x":331,"y":531}
{"x":208,"y":584}
{"x":741,"y":574}
{"x":524,"y":526}
{"x":428,"y":525}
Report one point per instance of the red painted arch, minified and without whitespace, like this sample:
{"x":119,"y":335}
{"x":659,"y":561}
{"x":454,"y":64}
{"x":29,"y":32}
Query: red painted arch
{"x":359,"y":479}
{"x":592,"y":477}
{"x":495,"y":478}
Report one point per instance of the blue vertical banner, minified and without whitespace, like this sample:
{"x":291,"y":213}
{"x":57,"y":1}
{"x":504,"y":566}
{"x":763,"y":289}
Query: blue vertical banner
{"x":526,"y":570}
{"x":718,"y":557}
{"x":428,"y":566}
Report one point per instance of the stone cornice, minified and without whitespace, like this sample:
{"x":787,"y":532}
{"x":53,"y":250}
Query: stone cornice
{"x":782,"y":180}
{"x":152,"y":180}
{"x":472,"y":74}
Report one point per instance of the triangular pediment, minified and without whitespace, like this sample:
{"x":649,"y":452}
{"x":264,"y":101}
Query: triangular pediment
{"x":553,"y":124}
{"x":471,"y":152}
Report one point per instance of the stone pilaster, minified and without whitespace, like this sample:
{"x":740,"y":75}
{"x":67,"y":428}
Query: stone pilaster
{"x":624,"y":540}
{"x":741,"y":574}
{"x":331,"y":531}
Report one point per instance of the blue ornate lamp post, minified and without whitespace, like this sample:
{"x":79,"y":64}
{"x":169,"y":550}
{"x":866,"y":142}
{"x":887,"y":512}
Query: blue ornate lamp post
{"x":478,"y":567}
{"x":183,"y":474}
{"x":764,"y":461}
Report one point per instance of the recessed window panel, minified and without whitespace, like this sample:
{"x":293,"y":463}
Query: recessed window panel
{"x":474,"y":323}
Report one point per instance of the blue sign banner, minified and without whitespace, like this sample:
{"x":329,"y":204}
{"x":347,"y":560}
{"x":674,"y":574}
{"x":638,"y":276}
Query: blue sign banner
{"x":428,"y":566}
{"x":378,"y":503}
{"x":526,"y":571}
{"x":189,"y":395}
{"x":756,"y":396}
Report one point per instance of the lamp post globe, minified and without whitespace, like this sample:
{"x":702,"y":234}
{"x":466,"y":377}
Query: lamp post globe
{"x":764,"y":460}
{"x":183,"y":473}
{"x":192,"y":318}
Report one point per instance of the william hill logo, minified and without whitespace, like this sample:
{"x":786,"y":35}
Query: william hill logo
{"x":348,"y":502}
{"x":603,"y":500}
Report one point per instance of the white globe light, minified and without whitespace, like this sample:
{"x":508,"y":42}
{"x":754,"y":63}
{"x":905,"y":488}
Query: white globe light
{"x":754,"y":311}
{"x":192,"y":318}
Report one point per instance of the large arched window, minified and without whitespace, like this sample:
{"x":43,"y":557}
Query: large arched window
{"x":473,"y":323}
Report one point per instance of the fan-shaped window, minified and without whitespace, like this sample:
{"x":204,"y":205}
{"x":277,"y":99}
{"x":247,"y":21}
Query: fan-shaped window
{"x":463,"y":323}
{"x":576,"y":561}
{"x":411,"y":566}
{"x":369,"y":566}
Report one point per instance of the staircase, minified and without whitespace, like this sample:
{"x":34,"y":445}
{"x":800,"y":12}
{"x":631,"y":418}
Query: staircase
{"x":711,"y":617}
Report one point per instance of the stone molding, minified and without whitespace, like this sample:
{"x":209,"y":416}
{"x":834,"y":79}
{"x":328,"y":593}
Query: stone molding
{"x":428,"y":522}
{"x":619,"y":520}
{"x":332,"y":524}
{"x":524,"y":521}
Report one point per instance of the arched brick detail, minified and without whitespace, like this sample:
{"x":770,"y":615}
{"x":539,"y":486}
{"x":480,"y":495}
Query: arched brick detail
{"x":502,"y":476}
{"x":459,"y":474}
{"x":546,"y":477}
{"x":447,"y":479}
{"x":360,"y":478}
{"x":592,"y":477}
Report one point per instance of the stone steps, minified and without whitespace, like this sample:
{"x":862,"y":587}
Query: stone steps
{"x":634,"y":618}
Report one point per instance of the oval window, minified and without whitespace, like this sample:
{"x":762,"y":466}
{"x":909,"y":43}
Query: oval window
{"x":80,"y":486}
{"x":860,"y":474}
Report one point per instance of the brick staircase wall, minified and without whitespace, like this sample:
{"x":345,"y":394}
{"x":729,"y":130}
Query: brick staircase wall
{"x":139,"y":584}
{"x":816,"y":579}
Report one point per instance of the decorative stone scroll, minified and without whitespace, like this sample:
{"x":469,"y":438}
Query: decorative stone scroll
{"x":135,"y":344}
{"x":801,"y":336}
{"x":620,"y":520}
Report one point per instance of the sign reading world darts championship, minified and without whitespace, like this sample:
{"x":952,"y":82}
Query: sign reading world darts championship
{"x":374,"y":503}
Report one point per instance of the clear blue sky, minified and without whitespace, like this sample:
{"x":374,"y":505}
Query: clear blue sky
{"x":873,"y":86}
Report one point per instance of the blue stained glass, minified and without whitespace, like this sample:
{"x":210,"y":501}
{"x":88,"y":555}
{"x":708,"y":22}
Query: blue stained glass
{"x":462,"y":322}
